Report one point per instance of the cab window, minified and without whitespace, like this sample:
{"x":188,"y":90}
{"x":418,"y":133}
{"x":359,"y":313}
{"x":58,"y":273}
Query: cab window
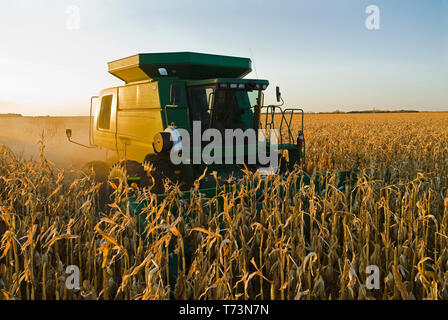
{"x":105,"y":112}
{"x":228,"y":108}
{"x":201,"y":103}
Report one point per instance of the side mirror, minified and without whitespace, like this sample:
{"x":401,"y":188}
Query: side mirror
{"x":68,"y":133}
{"x":277,"y":93}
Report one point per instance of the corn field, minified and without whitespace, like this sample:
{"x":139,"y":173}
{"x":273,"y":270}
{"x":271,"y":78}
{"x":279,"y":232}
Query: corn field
{"x":309,"y":243}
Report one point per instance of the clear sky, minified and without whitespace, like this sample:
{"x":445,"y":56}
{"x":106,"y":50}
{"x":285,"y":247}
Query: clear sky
{"x":319,"y":51}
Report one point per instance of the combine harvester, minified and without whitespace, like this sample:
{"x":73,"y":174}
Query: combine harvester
{"x":166,"y":92}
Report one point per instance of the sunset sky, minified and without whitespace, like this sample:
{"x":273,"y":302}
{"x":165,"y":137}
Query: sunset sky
{"x":319,"y":52}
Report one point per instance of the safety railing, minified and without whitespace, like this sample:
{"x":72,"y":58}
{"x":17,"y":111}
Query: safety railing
{"x":282,"y":119}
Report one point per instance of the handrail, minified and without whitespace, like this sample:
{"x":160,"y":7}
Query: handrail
{"x":90,"y":119}
{"x":271,"y":112}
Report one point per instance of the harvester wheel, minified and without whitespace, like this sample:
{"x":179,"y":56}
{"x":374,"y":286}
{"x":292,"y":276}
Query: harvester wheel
{"x":125,"y":169}
{"x":100,"y":169}
{"x":161,"y":170}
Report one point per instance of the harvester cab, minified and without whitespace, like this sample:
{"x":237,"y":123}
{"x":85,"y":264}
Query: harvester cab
{"x":167,"y":94}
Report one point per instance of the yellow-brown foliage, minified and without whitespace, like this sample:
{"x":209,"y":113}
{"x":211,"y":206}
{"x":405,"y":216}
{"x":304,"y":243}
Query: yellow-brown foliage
{"x":309,"y":244}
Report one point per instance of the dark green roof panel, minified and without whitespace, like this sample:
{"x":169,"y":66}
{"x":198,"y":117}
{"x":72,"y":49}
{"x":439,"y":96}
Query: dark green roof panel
{"x":181,"y":65}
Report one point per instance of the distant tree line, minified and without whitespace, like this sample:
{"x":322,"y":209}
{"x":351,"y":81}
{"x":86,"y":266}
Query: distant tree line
{"x":10,"y":115}
{"x":367,"y":111}
{"x":384,"y":111}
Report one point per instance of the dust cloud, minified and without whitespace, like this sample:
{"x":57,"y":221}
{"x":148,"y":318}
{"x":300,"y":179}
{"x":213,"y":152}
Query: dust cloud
{"x":22,"y":135}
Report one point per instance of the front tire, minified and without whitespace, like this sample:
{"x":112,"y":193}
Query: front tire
{"x":151,"y":174}
{"x":126,"y":169}
{"x":160,"y":171}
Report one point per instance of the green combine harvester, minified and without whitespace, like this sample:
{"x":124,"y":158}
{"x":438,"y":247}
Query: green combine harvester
{"x":166,"y":92}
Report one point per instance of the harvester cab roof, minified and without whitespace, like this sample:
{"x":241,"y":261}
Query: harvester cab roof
{"x":179,"y":65}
